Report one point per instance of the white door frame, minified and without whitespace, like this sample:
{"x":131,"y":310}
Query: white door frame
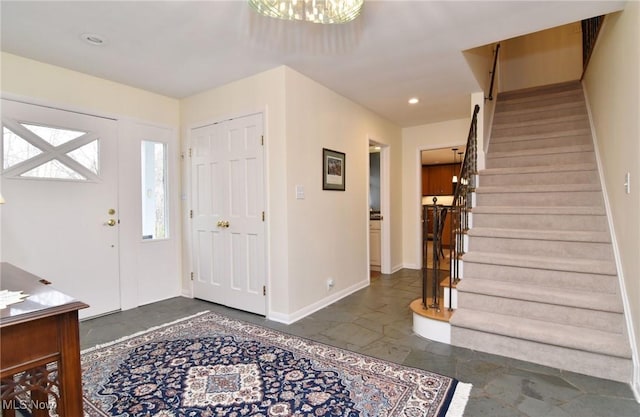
{"x":75,"y":222}
{"x":129,"y":280}
{"x":385,"y":207}
{"x":187,"y":197}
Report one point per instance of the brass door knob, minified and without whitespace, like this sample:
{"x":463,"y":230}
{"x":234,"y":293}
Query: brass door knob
{"x":111,"y":222}
{"x":222,"y":223}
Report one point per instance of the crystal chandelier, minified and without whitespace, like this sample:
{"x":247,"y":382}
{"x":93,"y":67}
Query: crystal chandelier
{"x":316,"y":11}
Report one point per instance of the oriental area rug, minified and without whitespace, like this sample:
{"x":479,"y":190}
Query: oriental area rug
{"x":212,"y":365}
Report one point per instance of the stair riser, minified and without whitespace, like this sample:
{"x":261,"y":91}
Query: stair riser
{"x":550,"y":112}
{"x":534,"y":124}
{"x":540,"y":160}
{"x":538,"y":102}
{"x":540,"y":178}
{"x":570,"y":87}
{"x":580,"y":317}
{"x":558,"y":279}
{"x":558,"y":249}
{"x":553,"y":199}
{"x":538,"y":136}
{"x":541,"y":222}
{"x":523,"y":145}
{"x":601,"y":366}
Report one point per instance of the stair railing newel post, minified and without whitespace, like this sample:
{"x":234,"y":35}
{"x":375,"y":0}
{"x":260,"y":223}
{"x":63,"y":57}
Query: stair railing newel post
{"x":435,"y":254}
{"x":425,"y":252}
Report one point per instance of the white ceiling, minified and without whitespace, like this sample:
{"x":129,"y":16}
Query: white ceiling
{"x":442,"y":155}
{"x":395,"y":50}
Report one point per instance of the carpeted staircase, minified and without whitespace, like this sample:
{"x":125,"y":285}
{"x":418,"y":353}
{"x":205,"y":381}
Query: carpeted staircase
{"x":540,"y":281}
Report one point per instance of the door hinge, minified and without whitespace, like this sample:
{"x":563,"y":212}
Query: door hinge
{"x":191,"y":214}
{"x":192,"y":276}
{"x":190,"y":152}
{"x":262,"y":140}
{"x":263,"y":216}
{"x":264,"y":290}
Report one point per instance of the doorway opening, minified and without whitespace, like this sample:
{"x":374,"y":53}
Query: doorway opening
{"x":440,"y":169}
{"x":379,"y":208}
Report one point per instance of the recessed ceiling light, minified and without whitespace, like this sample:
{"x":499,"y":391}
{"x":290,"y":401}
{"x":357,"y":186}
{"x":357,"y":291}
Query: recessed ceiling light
{"x":93,"y":39}
{"x":414,"y":100}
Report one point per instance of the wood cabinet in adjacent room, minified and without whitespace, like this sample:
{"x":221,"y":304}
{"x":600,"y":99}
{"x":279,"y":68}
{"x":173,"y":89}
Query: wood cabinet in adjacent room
{"x":375,"y":257}
{"x":436,"y":179}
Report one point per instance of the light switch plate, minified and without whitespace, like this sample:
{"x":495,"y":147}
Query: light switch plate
{"x":299,"y":192}
{"x":627,"y":183}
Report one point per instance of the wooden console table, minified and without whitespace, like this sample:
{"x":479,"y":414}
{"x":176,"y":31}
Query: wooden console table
{"x":39,"y":347}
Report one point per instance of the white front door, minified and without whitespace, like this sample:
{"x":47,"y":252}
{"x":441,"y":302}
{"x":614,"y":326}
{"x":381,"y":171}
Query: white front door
{"x":60,"y":219}
{"x":227,"y":218}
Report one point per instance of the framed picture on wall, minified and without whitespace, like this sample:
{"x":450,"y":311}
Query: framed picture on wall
{"x":333,"y":170}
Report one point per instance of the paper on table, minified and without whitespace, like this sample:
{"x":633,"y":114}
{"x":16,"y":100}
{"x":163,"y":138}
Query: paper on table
{"x":11,"y":297}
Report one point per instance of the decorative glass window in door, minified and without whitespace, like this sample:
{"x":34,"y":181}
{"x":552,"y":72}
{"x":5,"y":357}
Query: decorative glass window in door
{"x":38,"y":151}
{"x":154,"y":190}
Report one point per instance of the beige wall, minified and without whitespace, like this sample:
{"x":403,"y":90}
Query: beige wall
{"x":546,"y":57}
{"x":328,"y":230}
{"x":414,"y":139}
{"x":260,"y":93}
{"x":26,"y":78}
{"x":480,"y":62}
{"x":324,"y":235}
{"x":613,"y":89}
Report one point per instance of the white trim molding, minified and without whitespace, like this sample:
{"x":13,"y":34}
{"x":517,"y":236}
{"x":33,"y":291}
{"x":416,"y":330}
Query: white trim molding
{"x":319,"y":305}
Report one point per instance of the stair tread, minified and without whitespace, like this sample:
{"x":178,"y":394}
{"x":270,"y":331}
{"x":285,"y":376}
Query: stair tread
{"x":537,"y":234}
{"x":579,"y":338}
{"x":535,"y":188}
{"x":589,"y":166}
{"x":539,"y":135}
{"x":541,"y":151}
{"x":591,"y":266}
{"x":542,"y":210}
{"x":562,"y":296}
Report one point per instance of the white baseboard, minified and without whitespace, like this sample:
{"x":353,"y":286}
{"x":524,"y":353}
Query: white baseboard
{"x":312,"y":308}
{"x":396,"y":268}
{"x":411,"y":266}
{"x":432,"y":329}
{"x":635,"y":353}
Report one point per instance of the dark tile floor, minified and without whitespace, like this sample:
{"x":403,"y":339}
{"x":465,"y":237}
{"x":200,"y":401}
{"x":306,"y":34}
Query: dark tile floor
{"x":377,"y":321}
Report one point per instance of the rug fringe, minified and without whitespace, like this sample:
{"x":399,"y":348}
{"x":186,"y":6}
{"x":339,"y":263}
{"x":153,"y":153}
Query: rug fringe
{"x":459,"y":400}
{"x":150,"y":329}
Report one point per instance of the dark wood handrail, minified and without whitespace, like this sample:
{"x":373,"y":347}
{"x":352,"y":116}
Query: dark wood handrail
{"x":493,"y":72}
{"x":469,"y":164}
